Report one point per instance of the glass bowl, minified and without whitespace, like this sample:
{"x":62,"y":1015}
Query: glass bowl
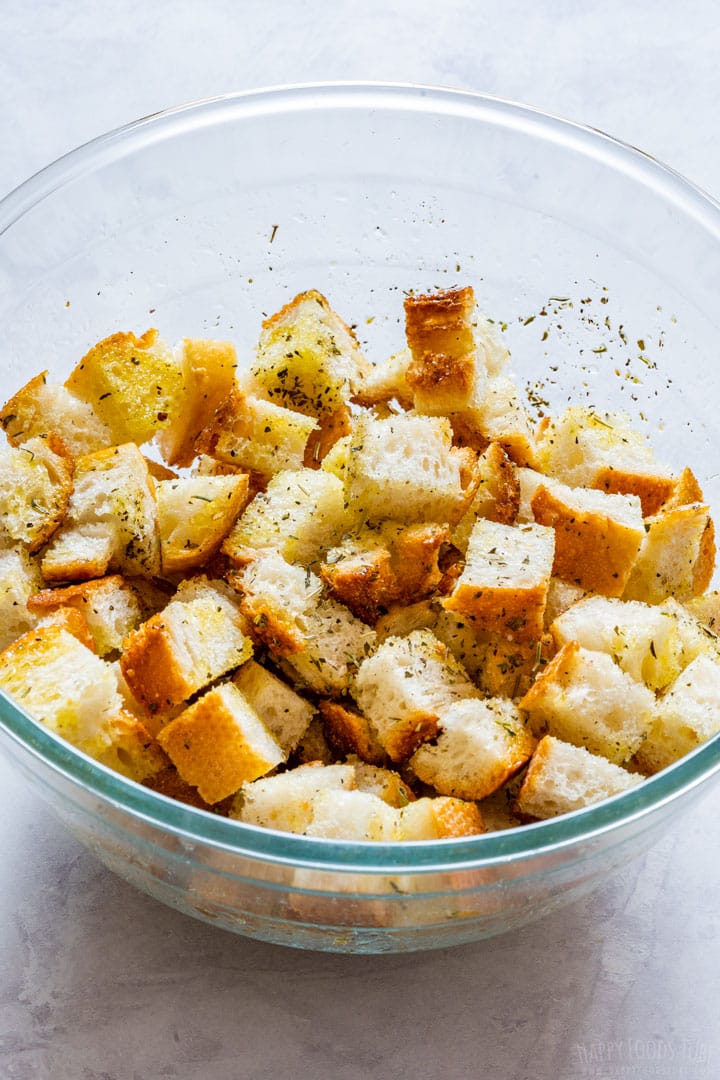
{"x":603,"y":264}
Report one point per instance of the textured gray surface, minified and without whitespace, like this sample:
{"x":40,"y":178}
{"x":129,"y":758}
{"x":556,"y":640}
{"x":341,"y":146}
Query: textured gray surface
{"x":100,"y":983}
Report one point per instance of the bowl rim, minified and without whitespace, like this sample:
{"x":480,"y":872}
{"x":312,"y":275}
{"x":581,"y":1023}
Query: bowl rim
{"x":199,"y":826}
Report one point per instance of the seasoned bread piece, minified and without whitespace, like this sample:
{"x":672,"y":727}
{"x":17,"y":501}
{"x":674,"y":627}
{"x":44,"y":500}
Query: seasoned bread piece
{"x":219,"y":743}
{"x":503,"y":588}
{"x":320,"y":639}
{"x":195,"y":514}
{"x":284,"y":712}
{"x":482,"y":743}
{"x":111,"y":521}
{"x":404,"y":688}
{"x":497,"y":498}
{"x":406,"y":468}
{"x":677,"y":555}
{"x":444,"y":375}
{"x":441,"y":818}
{"x":194,"y":640}
{"x":111,"y":605}
{"x":706,"y":609}
{"x":584,"y":698}
{"x":287,"y":801}
{"x":72,"y":620}
{"x":36,"y":481}
{"x":349,"y":732}
{"x":40,"y":408}
{"x":133,"y":384}
{"x":352,"y":815}
{"x":597,"y":536}
{"x":19,"y":578}
{"x":500,"y":417}
{"x":385,"y":783}
{"x":687,"y":715}
{"x":132,"y":751}
{"x":300,"y":516}
{"x":208,"y":375}
{"x":562,"y":778}
{"x":586,"y":448}
{"x":387,"y":382}
{"x":261,"y":436}
{"x":377,"y":567}
{"x":307,"y":358}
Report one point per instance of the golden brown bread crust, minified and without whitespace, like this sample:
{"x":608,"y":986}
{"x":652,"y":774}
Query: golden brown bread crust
{"x":516,"y":444}
{"x":456,"y":817}
{"x":447,"y":380}
{"x":499,"y":478}
{"x":209,"y":378}
{"x":652,"y":491}
{"x":518,"y":613}
{"x":331,"y":427}
{"x":510,"y":667}
{"x":75,"y":595}
{"x":158,"y":471}
{"x":705,"y":564}
{"x":558,"y":671}
{"x":150,"y":667}
{"x":403,"y":738}
{"x":364,"y":582}
{"x":686,"y":490}
{"x":17,"y":406}
{"x":288,"y":312}
{"x":60,"y":471}
{"x":348,"y":732}
{"x":70,"y":619}
{"x":440,"y":323}
{"x":265,"y":623}
{"x":133,"y":751}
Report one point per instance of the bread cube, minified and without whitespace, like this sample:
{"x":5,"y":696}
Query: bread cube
{"x":111,"y":521}
{"x":132,"y":751}
{"x":319,"y":638}
{"x":503,"y":588}
{"x":444,"y":375}
{"x":500,"y":417}
{"x":597,"y":536}
{"x":406,"y":468}
{"x":36,"y":481}
{"x":349,"y":732}
{"x":387,"y":381}
{"x":562,"y":778}
{"x":187,"y":645}
{"x":497,"y":497}
{"x":404,"y":688}
{"x":261,"y":436}
{"x":19,"y":578}
{"x":40,"y":408}
{"x":72,"y":620}
{"x":351,"y":815}
{"x":688,"y":714}
{"x":286,"y":802}
{"x":111,"y":605}
{"x":441,"y":818}
{"x":219,"y":743}
{"x":385,"y":783}
{"x":482,"y":743}
{"x":195,"y":514}
{"x":584,"y":698}
{"x":301,"y":514}
{"x":676,"y":557}
{"x":284,"y":713}
{"x":208,"y":375}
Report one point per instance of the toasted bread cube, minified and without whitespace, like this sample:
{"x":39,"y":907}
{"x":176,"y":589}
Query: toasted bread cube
{"x":307,"y":358}
{"x":445,"y":374}
{"x":72,"y":620}
{"x":287,"y":802}
{"x":36,"y":481}
{"x":706,"y":609}
{"x":64,"y":685}
{"x":510,"y":667}
{"x":441,"y":818}
{"x":352,"y":815}
{"x":482,"y":743}
{"x":112,"y":607}
{"x":19,"y":578}
{"x":187,"y":645}
{"x":497,"y":498}
{"x":195,"y":514}
{"x":503,"y":588}
{"x":597,"y":536}
{"x":385,"y":783}
{"x":586,"y":448}
{"x":301,"y":514}
{"x":331,"y":428}
{"x":320,"y":639}
{"x":563,"y":777}
{"x":349,"y":732}
{"x":111,"y":521}
{"x":500,"y":417}
{"x":405,"y":468}
{"x":688,"y":714}
{"x":133,"y":384}
{"x":261,"y":436}
{"x":208,"y":371}
{"x":377,"y":567}
{"x":405,"y":686}
{"x":677,"y":556}
{"x":132,"y":751}
{"x":387,"y":382}
{"x":284,"y":712}
{"x":220,"y":743}
{"x":40,"y":408}
{"x":584,"y":698}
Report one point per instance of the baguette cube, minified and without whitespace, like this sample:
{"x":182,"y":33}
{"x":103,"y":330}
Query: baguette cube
{"x":387,"y":382}
{"x":19,"y":578}
{"x":405,"y":687}
{"x":584,"y":698}
{"x":482,"y":743}
{"x":187,"y":645}
{"x":562,"y":778}
{"x":688,"y":714}
{"x":208,"y":373}
{"x":195,"y":514}
{"x":497,"y":498}
{"x":677,"y":556}
{"x":503,"y":588}
{"x":441,"y":818}
{"x":111,"y":606}
{"x":597,"y":536}
{"x":500,"y":417}
{"x":300,"y":515}
{"x":445,"y":374}
{"x":134,"y":385}
{"x":261,"y":436}
{"x":111,"y":521}
{"x":36,"y":482}
{"x":284,"y":712}
{"x":286,"y":802}
{"x":40,"y":408}
{"x":349,"y":732}
{"x":219,"y":743}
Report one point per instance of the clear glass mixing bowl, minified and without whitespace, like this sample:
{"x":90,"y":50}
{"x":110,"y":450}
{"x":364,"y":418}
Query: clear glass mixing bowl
{"x":604,"y":265}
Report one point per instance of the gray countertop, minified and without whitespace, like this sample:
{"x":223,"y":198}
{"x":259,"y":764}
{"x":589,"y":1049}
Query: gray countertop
{"x":98,"y":982}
